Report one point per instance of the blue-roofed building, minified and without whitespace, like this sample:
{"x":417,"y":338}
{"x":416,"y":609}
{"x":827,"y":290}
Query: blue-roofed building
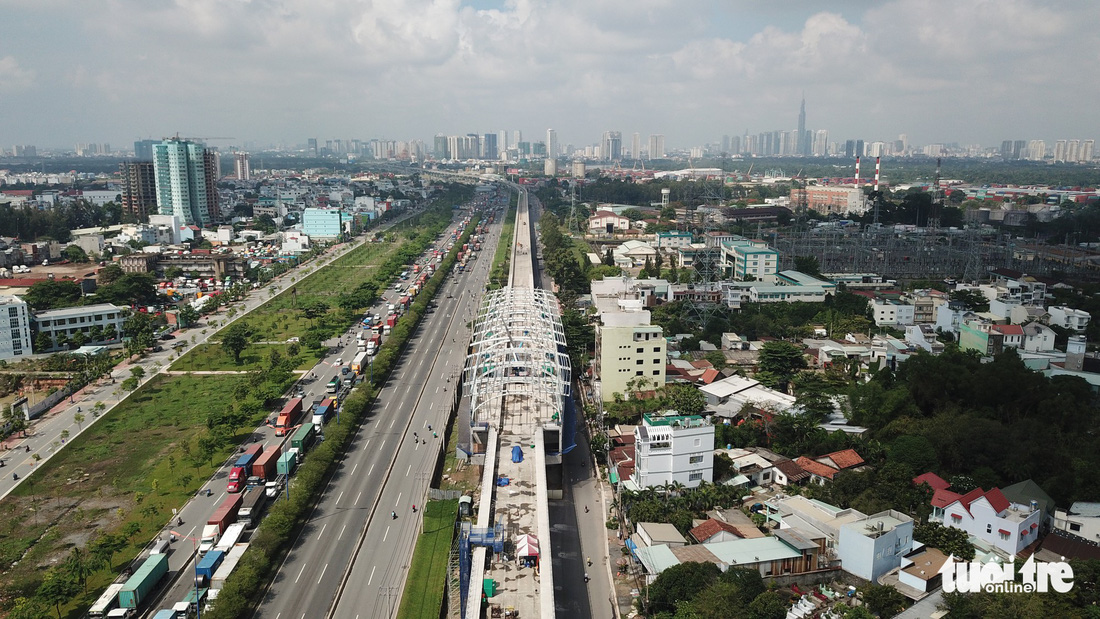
{"x":321,"y":223}
{"x":749,"y":259}
{"x":673,"y":239}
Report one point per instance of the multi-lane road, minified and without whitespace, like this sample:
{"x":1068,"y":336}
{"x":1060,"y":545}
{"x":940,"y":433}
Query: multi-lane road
{"x":384,"y":472}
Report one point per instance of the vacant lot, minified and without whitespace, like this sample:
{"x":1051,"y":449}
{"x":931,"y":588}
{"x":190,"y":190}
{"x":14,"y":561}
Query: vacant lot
{"x":211,"y":357}
{"x":125,"y":473}
{"x":424,"y":587}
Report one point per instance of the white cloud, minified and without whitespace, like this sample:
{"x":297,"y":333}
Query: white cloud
{"x":14,"y":78}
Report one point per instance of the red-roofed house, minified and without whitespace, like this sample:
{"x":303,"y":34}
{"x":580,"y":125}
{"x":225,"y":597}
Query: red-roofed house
{"x":1012,"y":335}
{"x":819,"y":473}
{"x":607,"y":222}
{"x":787,"y":472}
{"x":991,"y":517}
{"x":933,"y":480}
{"x":714,"y":530}
{"x":840,"y":460}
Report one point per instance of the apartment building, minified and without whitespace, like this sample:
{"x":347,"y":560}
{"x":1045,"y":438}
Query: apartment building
{"x":72,"y":320}
{"x":750,"y":259}
{"x":672,"y":448}
{"x":15,"y":337}
{"x":628,"y":348}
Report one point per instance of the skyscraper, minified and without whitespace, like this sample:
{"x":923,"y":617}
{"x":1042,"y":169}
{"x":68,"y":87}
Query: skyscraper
{"x":243,"y":167}
{"x":551,"y":143}
{"x":143,"y":150}
{"x":441,"y":149}
{"x":611,"y":148}
{"x":636,"y":146}
{"x":489,"y":146}
{"x":803,"y":142}
{"x":311,"y":146}
{"x":139,"y":188}
{"x":656,"y":146}
{"x":186,"y":180}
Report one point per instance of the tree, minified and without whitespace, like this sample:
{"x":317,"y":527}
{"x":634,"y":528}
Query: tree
{"x":781,"y":359}
{"x":130,"y":384}
{"x":137,"y":372}
{"x":78,"y":418}
{"x":130,"y":289}
{"x":188,"y":315}
{"x":109,"y":274}
{"x":883,"y":600}
{"x":75,"y":253}
{"x":314,"y":309}
{"x":808,"y":265}
{"x":173,"y":273}
{"x":53,"y":293}
{"x":58,"y":587}
{"x":680,"y":583}
{"x":949,"y":540}
{"x":716,"y":358}
{"x":972,"y":300}
{"x":767,"y":605}
{"x":236,"y":339}
{"x":684,"y":398}
{"x":42,"y":342}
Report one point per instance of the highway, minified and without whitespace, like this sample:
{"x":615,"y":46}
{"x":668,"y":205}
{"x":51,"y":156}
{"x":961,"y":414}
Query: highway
{"x":384,"y":471}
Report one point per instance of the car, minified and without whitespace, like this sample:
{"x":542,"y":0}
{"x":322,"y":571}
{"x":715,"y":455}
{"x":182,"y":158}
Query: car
{"x":167,"y":336}
{"x":338,"y":362}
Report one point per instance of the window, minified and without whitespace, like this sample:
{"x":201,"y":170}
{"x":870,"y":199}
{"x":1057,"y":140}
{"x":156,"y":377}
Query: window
{"x":15,"y":334}
{"x":13,"y":311}
{"x":13,"y":322}
{"x":656,"y":362}
{"x":655,"y":349}
{"x":639,"y":362}
{"x":695,"y":460}
{"x":698,"y":442}
{"x":988,"y":528}
{"x":1003,"y":534}
{"x":696,"y":476}
{"x":656,"y":372}
{"x":1073,"y":526}
{"x":639,"y":350}
{"x":639,"y":373}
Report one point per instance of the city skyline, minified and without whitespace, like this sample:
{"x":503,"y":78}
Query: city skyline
{"x":937,"y":71}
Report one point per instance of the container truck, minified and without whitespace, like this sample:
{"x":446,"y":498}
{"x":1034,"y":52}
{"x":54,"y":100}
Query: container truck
{"x":288,"y":462}
{"x":264,"y":467}
{"x":373,"y":344}
{"x":391,"y":320}
{"x":303,"y":438}
{"x":208,"y":564}
{"x":251,"y":507}
{"x":138,"y":586}
{"x":238,"y":475}
{"x":231,"y":536}
{"x":209,"y":539}
{"x":359,"y":363}
{"x":225,"y":515}
{"x":288,"y":416}
{"x":232,"y":558}
{"x":106,"y":602}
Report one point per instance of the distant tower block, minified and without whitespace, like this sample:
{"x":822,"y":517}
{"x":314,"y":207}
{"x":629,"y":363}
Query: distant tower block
{"x":857,"y":171}
{"x":579,"y":168}
{"x":550,"y":167}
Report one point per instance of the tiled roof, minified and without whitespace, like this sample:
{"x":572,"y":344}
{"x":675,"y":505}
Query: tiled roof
{"x":791,"y":469}
{"x":970,"y":497}
{"x":943,"y":498}
{"x":1008,"y":329}
{"x":710,"y":376}
{"x":997,"y":499}
{"x":710,"y":528}
{"x":1070,"y":546}
{"x":937,"y":482}
{"x":845,"y":458}
{"x":816,"y":468}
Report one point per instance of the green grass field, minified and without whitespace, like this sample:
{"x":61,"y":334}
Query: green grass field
{"x":211,"y":357}
{"x":132,"y":466}
{"x":423,"y":596}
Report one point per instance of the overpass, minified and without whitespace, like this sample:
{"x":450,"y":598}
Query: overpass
{"x":520,"y":418}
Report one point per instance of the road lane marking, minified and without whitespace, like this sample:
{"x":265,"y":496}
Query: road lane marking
{"x":398,"y":502}
{"x":368,"y":580}
{"x":392,"y":421}
{"x":322,"y":531}
{"x":357,"y":498}
{"x":371,"y":470}
{"x":339,"y":497}
{"x":319,"y":578}
{"x":341,"y":535}
{"x":385,"y":535}
{"x":300,"y":573}
{"x":409,"y":470}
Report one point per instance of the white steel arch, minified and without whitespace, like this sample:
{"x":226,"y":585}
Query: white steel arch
{"x":517,"y":350}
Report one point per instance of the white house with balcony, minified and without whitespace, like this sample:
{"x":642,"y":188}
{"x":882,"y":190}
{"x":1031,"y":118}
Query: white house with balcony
{"x":1068,"y":318}
{"x":992,"y":518}
{"x":670,"y":448}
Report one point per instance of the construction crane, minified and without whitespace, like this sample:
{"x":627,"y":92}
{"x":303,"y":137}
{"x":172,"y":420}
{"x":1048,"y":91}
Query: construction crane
{"x":197,"y":139}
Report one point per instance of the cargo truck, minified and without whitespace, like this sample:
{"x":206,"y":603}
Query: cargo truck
{"x":251,"y":507}
{"x":225,"y":515}
{"x":232,"y":558}
{"x":359,"y":363}
{"x":138,"y":586}
{"x":238,"y":475}
{"x":288,"y":462}
{"x":264,"y":467}
{"x":231,"y":536}
{"x":323,"y":411}
{"x":106,"y":602}
{"x":303,"y":438}
{"x":208,"y":564}
{"x":373,"y":344}
{"x":288,"y":416}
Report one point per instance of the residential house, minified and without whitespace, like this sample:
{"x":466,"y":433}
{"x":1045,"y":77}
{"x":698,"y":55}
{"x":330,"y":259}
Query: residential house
{"x":992,"y":518}
{"x":788,"y":473}
{"x":824,"y":468}
{"x":731,"y":394}
{"x":874,"y":545}
{"x":758,"y":470}
{"x":1081,"y":519}
{"x":920,"y":569}
{"x":672,"y":448}
{"x":714,"y":530}
{"x":1068,"y":318}
{"x":951,"y":315}
{"x":1038,"y":337}
{"x":633,"y":254}
{"x":673,"y":239}
{"x":749,"y":260}
{"x":1027,"y":492}
{"x":786,"y":553}
{"x":987,"y":338}
{"x":15,"y":340}
{"x":925,"y":303}
{"x":892,"y":312}
{"x":607,"y":222}
{"x":656,"y":533}
{"x":924,"y":337}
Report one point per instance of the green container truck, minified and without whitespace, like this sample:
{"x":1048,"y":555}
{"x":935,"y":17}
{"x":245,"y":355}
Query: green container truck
{"x":144,"y":580}
{"x":303,"y":438}
{"x":287,"y":462}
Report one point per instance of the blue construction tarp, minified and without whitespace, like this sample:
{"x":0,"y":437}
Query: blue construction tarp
{"x":517,"y":453}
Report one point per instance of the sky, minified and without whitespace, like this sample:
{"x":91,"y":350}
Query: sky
{"x":282,"y":71}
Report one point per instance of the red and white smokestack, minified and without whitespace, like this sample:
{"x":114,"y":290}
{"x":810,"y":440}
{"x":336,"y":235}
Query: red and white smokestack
{"x":877,"y":161}
{"x":857,"y":171}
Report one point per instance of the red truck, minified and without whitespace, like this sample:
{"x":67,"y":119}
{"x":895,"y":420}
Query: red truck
{"x":239,"y":473}
{"x":264,"y":467}
{"x":288,"y":416}
{"x":391,"y":320}
{"x":226,"y":514}
{"x":404,"y":302}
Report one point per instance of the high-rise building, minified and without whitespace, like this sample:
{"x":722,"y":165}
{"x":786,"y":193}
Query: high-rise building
{"x":139,"y":188}
{"x":489,"y":146}
{"x":803,"y":140}
{"x":1036,"y":150}
{"x":441,"y":150}
{"x":186,"y":181}
{"x":502,"y":140}
{"x":1072,"y":146}
{"x":1060,"y":150}
{"x":311,"y":146}
{"x":821,"y":143}
{"x":517,"y":137}
{"x":143,"y":149}
{"x":656,"y":146}
{"x":243,"y":167}
{"x":15,"y":339}
{"x":551,"y":143}
{"x":611,"y":146}
{"x":636,"y":146}
{"x":1085,"y":154}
